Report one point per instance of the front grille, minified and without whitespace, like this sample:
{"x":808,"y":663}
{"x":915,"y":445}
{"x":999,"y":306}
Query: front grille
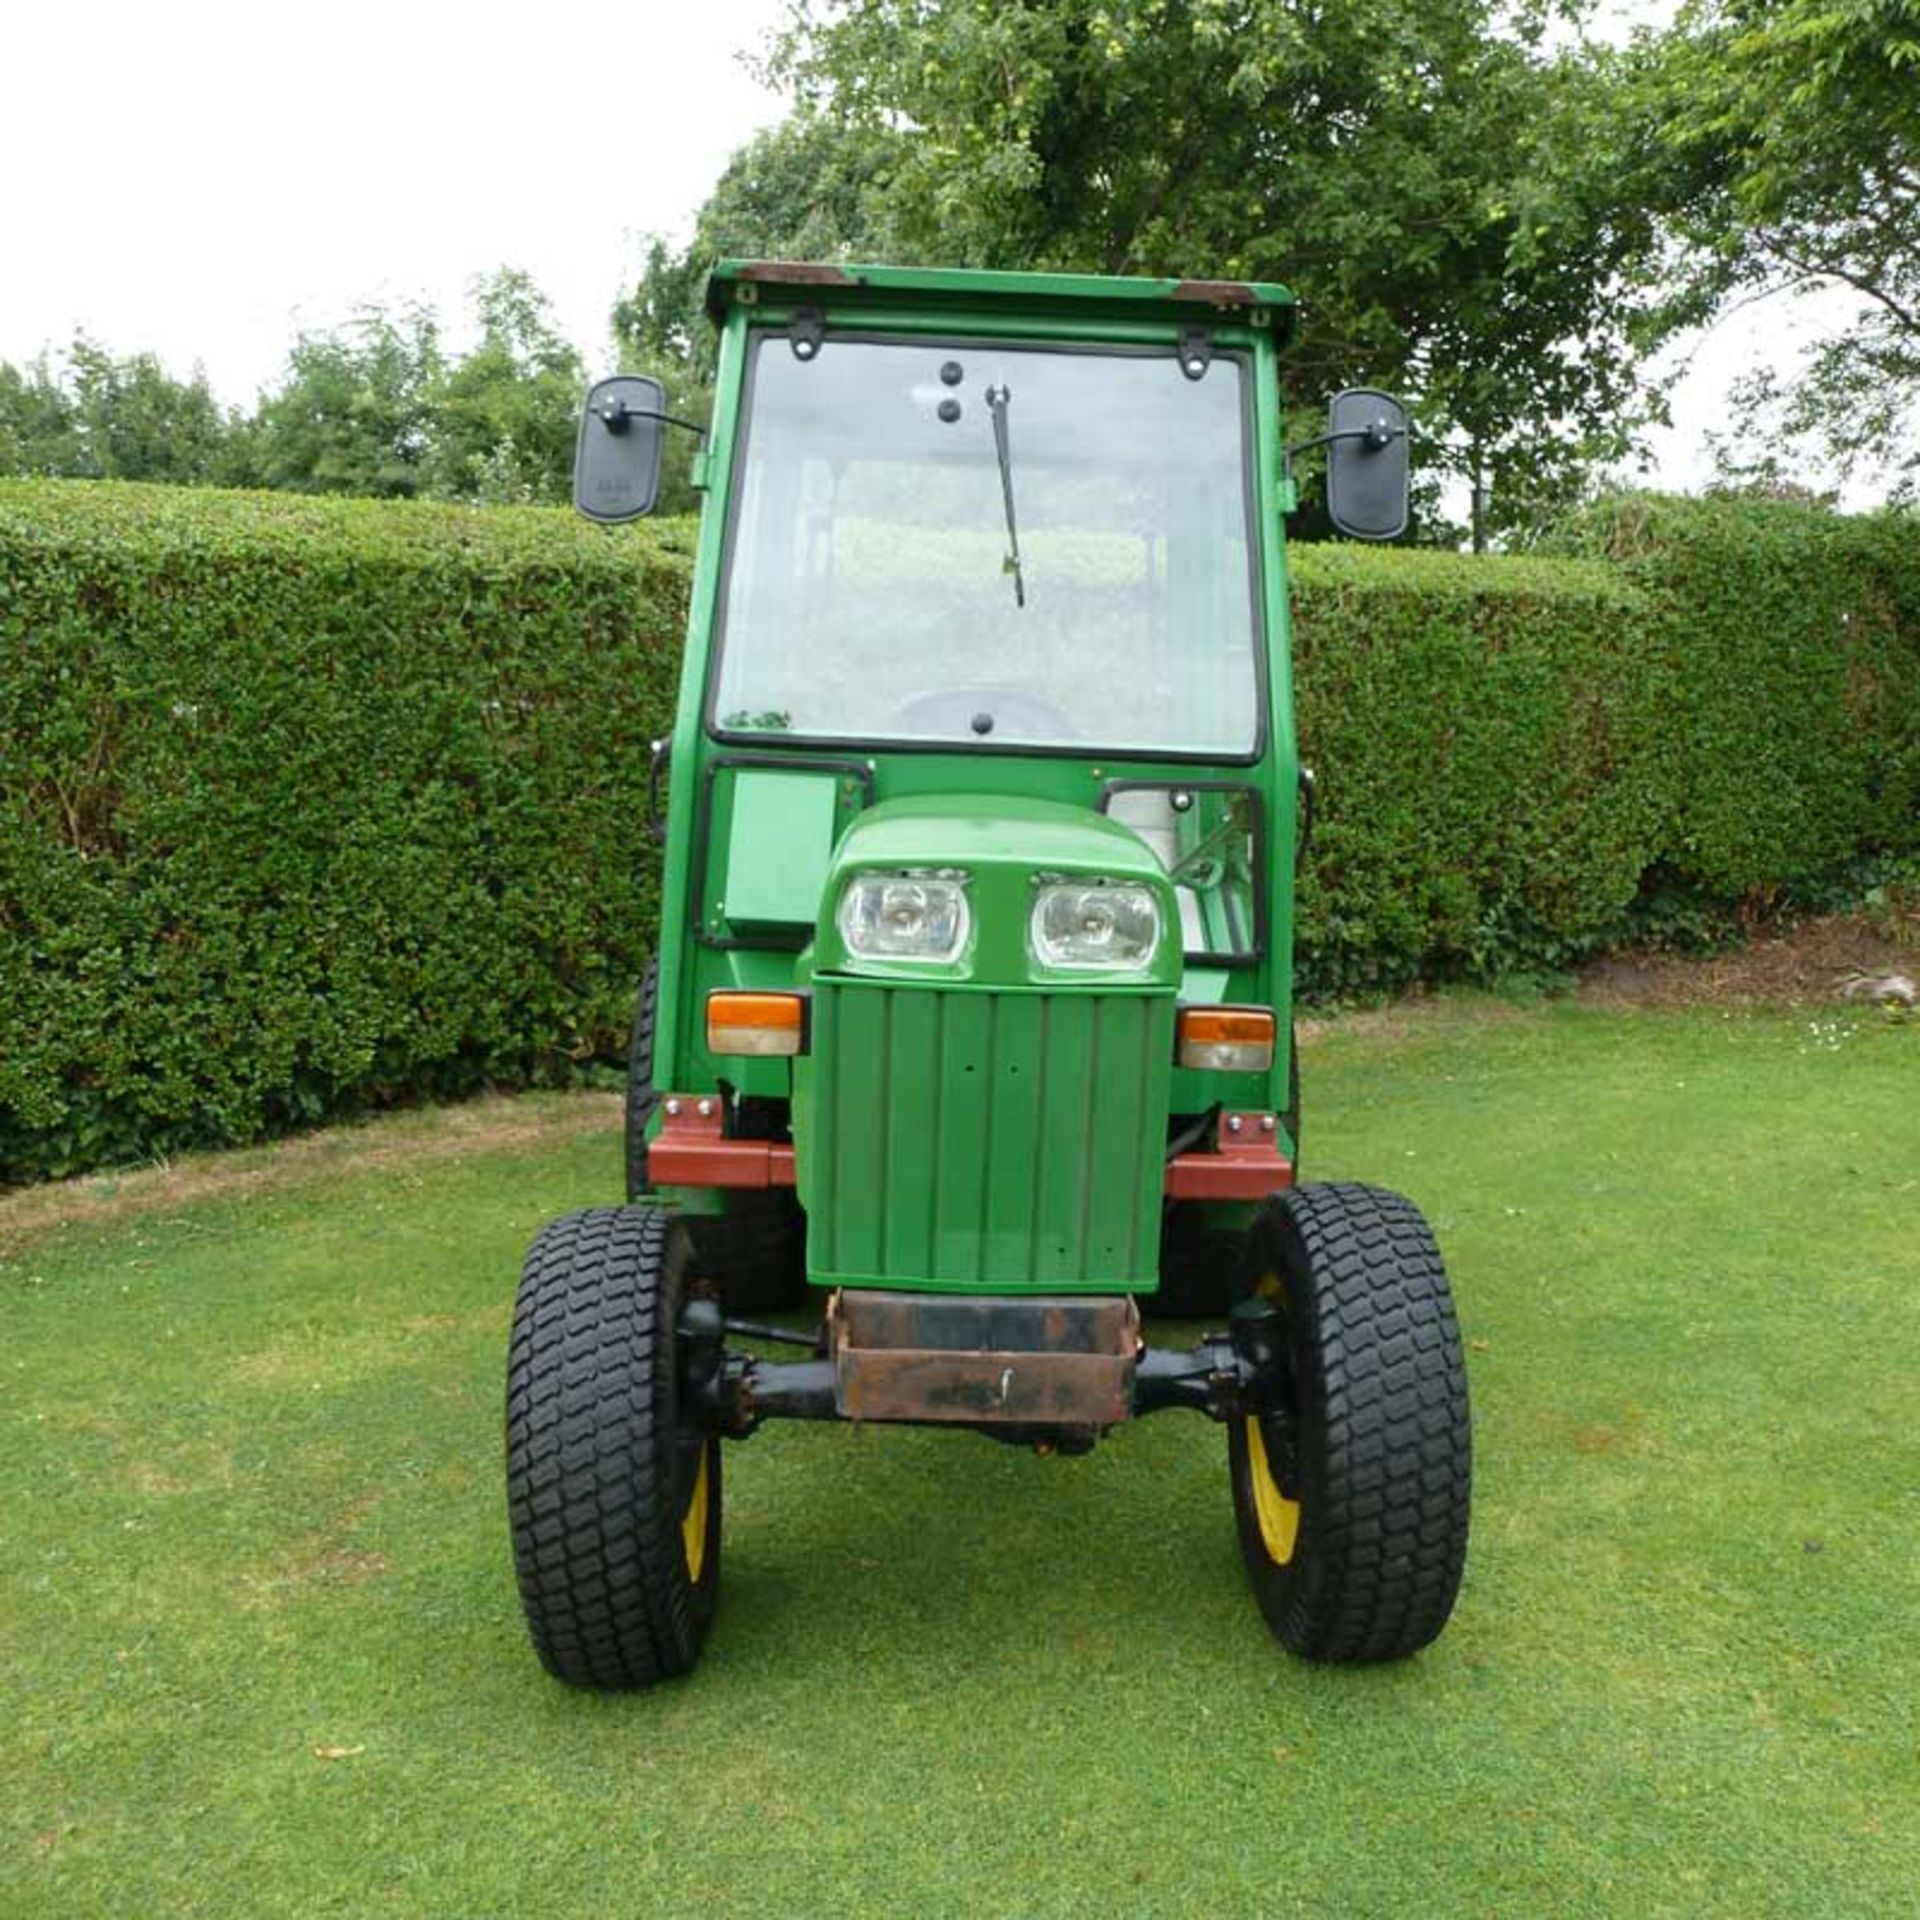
{"x":968,"y":1137}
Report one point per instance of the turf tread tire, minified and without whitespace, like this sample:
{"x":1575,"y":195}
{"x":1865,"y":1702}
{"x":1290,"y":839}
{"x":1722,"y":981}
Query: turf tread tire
{"x":594,"y":1493}
{"x":1383,"y":1433}
{"x":642,"y":1095}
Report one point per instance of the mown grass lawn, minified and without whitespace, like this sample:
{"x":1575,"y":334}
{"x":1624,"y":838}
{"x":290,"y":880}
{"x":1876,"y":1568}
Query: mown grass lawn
{"x":262,"y":1654}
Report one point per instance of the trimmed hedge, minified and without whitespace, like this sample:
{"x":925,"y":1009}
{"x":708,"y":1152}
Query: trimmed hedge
{"x":1793,"y":642}
{"x":1487,"y":738}
{"x":307,"y":806}
{"x":312,"y":805}
{"x":1711,"y":712}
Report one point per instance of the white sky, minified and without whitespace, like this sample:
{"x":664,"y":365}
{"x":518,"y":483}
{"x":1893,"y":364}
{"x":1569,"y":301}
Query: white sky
{"x":203,"y":179}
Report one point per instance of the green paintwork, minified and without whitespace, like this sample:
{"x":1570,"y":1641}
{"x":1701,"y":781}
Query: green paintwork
{"x":986,"y":1123}
{"x":1041,"y":1166}
{"x":779,"y":841}
{"x":985,"y":1139}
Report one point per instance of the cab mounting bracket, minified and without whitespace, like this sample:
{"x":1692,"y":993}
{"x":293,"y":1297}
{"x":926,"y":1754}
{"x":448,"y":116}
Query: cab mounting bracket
{"x":808,"y":330}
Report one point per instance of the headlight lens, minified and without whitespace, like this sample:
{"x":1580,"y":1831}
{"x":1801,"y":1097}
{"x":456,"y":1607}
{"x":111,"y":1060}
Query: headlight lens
{"x":1094,"y":925}
{"x":905,"y":916}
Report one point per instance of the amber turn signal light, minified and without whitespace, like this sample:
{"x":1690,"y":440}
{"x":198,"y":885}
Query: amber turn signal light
{"x":1226,"y":1039}
{"x":758,"y":1023}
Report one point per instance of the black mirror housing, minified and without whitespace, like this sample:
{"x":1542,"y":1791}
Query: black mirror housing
{"x":616,"y":459}
{"x":1367,"y":464}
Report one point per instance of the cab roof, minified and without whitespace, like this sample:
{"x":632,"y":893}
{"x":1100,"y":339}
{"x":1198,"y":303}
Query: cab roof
{"x":1096,"y":295}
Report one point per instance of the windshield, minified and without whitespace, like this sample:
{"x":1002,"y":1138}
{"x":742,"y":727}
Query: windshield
{"x":988,"y":544}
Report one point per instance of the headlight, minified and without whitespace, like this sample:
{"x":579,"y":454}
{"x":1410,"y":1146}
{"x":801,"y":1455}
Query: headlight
{"x":905,"y":916}
{"x":1093,"y":925}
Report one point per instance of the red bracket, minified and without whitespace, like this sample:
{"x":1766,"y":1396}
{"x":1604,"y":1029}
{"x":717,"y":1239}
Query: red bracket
{"x":1246,"y":1163}
{"x":692,"y":1149}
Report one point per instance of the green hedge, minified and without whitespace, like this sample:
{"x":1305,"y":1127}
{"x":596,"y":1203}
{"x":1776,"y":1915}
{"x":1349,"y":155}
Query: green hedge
{"x":1710,"y":711}
{"x":308,"y":806}
{"x":1793,"y":641}
{"x":1487,"y":741}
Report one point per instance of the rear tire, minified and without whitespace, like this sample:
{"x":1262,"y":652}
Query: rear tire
{"x":756,"y":1251}
{"x":1352,"y":1499}
{"x":613,"y":1497}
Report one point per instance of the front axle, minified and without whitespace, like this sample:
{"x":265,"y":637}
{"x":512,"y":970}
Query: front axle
{"x":1046,"y":1369}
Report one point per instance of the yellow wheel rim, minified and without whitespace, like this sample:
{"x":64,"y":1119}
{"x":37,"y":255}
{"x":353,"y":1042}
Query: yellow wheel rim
{"x":693,"y":1525}
{"x":1279,"y":1517}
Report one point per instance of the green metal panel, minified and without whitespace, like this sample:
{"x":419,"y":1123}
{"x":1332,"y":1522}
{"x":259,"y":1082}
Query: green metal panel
{"x":778,"y":843}
{"x":677,"y":1021}
{"x":963,"y":1137}
{"x":1273,"y":497}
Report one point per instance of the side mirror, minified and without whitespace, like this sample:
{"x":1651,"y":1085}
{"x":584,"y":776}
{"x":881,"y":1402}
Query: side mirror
{"x":616,"y":459}
{"x":1367,"y":464}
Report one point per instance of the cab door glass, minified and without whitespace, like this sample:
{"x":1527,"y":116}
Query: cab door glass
{"x":1207,"y":838}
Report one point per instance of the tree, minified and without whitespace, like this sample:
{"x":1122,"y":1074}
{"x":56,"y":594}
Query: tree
{"x":808,"y":189}
{"x":503,"y":418}
{"x":135,"y":422}
{"x":38,"y":435}
{"x":1795,"y":128}
{"x":375,"y":407}
{"x":1452,"y":201}
{"x":378,"y":407}
{"x":811,"y":188}
{"x":106,"y":418}
{"x":355,"y":412}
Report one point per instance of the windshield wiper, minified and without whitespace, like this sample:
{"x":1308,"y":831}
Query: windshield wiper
{"x":997,"y":398}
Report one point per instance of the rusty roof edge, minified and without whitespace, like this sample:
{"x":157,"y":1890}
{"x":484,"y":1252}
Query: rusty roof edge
{"x":730,"y":281}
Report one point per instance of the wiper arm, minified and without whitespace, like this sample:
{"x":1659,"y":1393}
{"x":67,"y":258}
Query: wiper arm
{"x":997,"y":398}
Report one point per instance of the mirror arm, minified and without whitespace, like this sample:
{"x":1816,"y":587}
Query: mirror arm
{"x":1376,"y":437}
{"x":617,"y":417}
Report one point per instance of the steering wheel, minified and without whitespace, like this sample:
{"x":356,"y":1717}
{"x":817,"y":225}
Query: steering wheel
{"x":958,"y":715}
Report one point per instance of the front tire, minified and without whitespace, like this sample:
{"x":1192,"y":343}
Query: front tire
{"x":1352,"y":1497}
{"x":613,"y":1495}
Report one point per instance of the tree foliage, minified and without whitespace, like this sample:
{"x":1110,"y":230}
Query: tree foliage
{"x":376,"y":407}
{"x":99,"y":418}
{"x":1448,"y":196}
{"x":353,"y":415}
{"x":502,"y":419}
{"x":1795,"y":126}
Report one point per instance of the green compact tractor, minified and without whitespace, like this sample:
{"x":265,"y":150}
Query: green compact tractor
{"x":971,"y":1015}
